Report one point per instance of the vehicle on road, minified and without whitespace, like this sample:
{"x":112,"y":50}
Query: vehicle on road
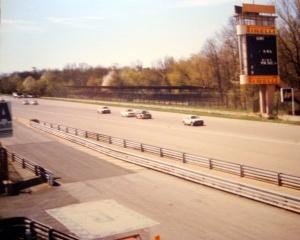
{"x":143,"y":115}
{"x":193,"y":120}
{"x":25,"y":102}
{"x":15,"y":94}
{"x":103,"y":110}
{"x":33,"y":102}
{"x":128,"y":113}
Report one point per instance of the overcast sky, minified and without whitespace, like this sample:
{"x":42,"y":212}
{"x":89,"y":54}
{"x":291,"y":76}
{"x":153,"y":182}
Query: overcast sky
{"x":49,"y":34}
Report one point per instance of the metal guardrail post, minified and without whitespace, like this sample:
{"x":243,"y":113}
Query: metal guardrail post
{"x":124,"y":143}
{"x":58,"y":127}
{"x":51,"y":179}
{"x":42,"y":173}
{"x":161,"y":152}
{"x":241,"y":171}
{"x":31,"y":228}
{"x":23,"y":163}
{"x":67,"y":130}
{"x":13,"y":157}
{"x":210,"y":164}
{"x":109,"y":140}
{"x":50,"y":234}
{"x":142,"y":148}
{"x":76,"y":133}
{"x":97,"y":136}
{"x":36,"y":170}
{"x":85,"y":134}
{"x":183,"y":158}
{"x":279,"y":180}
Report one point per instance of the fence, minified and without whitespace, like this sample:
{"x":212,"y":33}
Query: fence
{"x":24,"y":228}
{"x":177,"y":95}
{"x":280,"y":179}
{"x":284,"y":201}
{"x":33,"y":167}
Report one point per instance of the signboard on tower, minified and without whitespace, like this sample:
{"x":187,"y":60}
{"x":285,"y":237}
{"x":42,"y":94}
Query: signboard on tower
{"x":257,"y":37}
{"x":262,"y":55}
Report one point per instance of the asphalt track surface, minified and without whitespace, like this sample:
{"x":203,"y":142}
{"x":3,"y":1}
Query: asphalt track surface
{"x":271,"y":146}
{"x":183,"y":210}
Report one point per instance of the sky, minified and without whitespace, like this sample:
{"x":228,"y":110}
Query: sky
{"x":49,"y":34}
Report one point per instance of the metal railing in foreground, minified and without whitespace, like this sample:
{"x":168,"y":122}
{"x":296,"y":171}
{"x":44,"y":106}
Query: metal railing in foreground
{"x":262,"y":195}
{"x":280,"y":179}
{"x":33,"y":167}
{"x":24,"y":228}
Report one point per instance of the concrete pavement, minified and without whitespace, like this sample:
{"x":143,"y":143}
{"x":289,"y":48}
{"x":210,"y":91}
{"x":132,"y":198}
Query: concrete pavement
{"x":265,"y":145}
{"x":183,"y":210}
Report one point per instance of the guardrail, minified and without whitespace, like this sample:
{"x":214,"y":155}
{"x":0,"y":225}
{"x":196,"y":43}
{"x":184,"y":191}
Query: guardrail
{"x":284,"y":201}
{"x":280,"y":179}
{"x":24,"y":228}
{"x":33,"y":167}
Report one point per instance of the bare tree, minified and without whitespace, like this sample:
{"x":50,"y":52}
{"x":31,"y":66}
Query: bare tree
{"x":289,"y":40}
{"x":211,"y":52}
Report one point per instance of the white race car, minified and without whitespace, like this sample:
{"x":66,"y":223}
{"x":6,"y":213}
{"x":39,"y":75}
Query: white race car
{"x":103,"y":110}
{"x":143,"y":115}
{"x":128,"y":113}
{"x":25,"y":102}
{"x":33,"y":102}
{"x":15,"y":94}
{"x":192,"y":120}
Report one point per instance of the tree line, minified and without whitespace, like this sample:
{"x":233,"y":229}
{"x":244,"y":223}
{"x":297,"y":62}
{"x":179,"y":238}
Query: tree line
{"x":215,"y":66}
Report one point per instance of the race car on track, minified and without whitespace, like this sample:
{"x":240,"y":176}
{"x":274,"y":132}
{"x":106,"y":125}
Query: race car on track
{"x":103,"y":110}
{"x":33,"y":102}
{"x":143,"y":115}
{"x":25,"y":102}
{"x":192,"y":120}
{"x":128,"y":113}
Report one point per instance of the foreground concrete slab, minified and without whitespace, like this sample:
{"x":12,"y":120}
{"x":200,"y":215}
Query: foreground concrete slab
{"x":98,"y":219}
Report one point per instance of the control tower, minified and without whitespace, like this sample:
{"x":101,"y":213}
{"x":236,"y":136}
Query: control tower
{"x":257,"y":35}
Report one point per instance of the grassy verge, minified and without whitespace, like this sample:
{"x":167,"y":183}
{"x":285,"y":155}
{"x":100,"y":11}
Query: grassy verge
{"x":213,"y":112}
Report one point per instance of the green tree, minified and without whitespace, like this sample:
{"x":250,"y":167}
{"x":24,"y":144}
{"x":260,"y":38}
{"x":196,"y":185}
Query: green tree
{"x":94,"y":81}
{"x":54,"y":83}
{"x":29,"y":85}
{"x":112,"y":78}
{"x":12,"y":83}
